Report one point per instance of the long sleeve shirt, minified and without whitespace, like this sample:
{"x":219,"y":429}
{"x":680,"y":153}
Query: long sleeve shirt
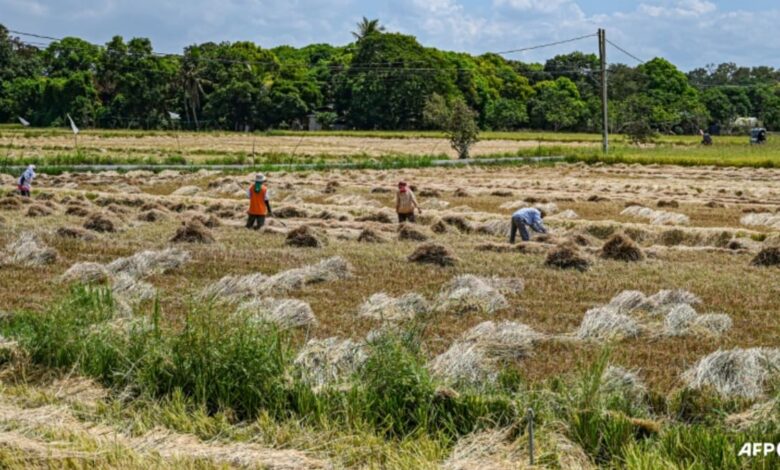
{"x":531,"y":217}
{"x":27,"y":177}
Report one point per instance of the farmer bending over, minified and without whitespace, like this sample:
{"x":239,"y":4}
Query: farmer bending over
{"x":524,"y":218}
{"x":25,"y":181}
{"x":405,"y":203}
{"x":259,"y":207}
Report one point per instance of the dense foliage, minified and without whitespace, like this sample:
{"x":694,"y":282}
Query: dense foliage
{"x":380,"y":81}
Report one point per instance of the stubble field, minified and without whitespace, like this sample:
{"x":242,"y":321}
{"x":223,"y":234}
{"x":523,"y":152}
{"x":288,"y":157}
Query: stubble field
{"x":695,"y":232}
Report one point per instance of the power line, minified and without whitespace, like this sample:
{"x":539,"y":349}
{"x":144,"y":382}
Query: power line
{"x":372,"y":66}
{"x":625,"y":52}
{"x":550,"y":44}
{"x":394,"y":67}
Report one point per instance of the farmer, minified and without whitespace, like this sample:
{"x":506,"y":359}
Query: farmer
{"x":524,"y":218}
{"x":405,"y":203}
{"x":25,"y":181}
{"x":259,"y":207}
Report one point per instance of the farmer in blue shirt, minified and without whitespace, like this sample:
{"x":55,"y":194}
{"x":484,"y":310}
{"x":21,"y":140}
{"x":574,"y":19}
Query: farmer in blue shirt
{"x":524,"y":218}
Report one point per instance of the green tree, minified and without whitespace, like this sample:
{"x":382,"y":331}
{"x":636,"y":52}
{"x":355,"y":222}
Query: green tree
{"x":557,"y":104}
{"x":458,"y":121}
{"x":504,"y":114}
{"x":390,"y":96}
{"x":367,"y":27}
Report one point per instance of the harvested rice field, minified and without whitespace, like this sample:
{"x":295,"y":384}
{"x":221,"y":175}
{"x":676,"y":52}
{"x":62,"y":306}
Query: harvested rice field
{"x":647,"y":316}
{"x":199,"y":147}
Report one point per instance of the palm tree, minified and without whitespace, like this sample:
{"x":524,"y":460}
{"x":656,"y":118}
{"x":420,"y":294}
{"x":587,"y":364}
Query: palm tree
{"x":367,"y":27}
{"x":192,"y":84}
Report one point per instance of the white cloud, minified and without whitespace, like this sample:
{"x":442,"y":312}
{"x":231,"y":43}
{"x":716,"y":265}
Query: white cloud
{"x":680,"y":8}
{"x":690,"y":33}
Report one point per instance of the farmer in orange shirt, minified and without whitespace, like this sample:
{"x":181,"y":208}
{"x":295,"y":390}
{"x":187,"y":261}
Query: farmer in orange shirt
{"x":259,"y":207}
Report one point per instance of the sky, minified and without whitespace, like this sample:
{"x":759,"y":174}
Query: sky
{"x":690,"y":33}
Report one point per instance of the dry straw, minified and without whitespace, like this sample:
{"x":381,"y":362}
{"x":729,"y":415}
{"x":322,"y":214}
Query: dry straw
{"x":329,"y":361}
{"x":383,"y":307}
{"x":28,"y":250}
{"x":737,"y":372}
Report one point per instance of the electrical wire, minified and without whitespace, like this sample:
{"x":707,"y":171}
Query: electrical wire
{"x":625,"y":52}
{"x":541,"y":46}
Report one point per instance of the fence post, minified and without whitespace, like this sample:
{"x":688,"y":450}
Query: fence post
{"x":530,"y":417}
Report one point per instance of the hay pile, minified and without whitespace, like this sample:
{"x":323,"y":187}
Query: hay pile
{"x":28,"y":251}
{"x":656,"y":217}
{"x":438,"y":226}
{"x":683,"y":320}
{"x":10,"y":203}
{"x":606,"y":324}
{"x":74,"y":233}
{"x":152,"y":215}
{"x":496,"y":227}
{"x":290,"y":212}
{"x":767,"y":219}
{"x":383,"y":307}
{"x":383,"y":217}
{"x":99,"y":222}
{"x":621,"y":248}
{"x":305,"y":237}
{"x":257,"y":284}
{"x":284,"y":313}
{"x":209,"y":221}
{"x":737,"y":372}
{"x":409,"y":233}
{"x":38,"y":210}
{"x":125,"y":274}
{"x":666,"y":313}
{"x":186,"y":191}
{"x":87,"y":273}
{"x":567,"y":257}
{"x":148,"y":262}
{"x":469,"y":294}
{"x":431,"y":253}
{"x":769,"y":256}
{"x":568,"y":214}
{"x":323,"y":362}
{"x":624,"y":383}
{"x":77,"y":210}
{"x":131,"y":290}
{"x":368,"y":235}
{"x":459,"y":223}
{"x":502,"y":247}
{"x":474,"y":359}
{"x":193,"y":231}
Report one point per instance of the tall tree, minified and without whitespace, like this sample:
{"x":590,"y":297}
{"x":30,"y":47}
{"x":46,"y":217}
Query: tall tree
{"x":367,"y":27}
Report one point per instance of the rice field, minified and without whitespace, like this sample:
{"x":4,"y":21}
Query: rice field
{"x":58,"y":147}
{"x":138,"y":310}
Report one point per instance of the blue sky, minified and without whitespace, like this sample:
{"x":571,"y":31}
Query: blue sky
{"x":690,"y":33}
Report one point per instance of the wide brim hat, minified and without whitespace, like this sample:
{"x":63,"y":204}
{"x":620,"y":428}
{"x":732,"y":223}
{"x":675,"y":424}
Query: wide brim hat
{"x":259,"y":178}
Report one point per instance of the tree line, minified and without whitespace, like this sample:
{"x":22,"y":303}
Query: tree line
{"x":381,"y":80}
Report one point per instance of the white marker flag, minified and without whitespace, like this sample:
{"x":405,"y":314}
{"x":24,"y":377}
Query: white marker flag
{"x":73,"y":125}
{"x":174,"y":116}
{"x":24,"y":121}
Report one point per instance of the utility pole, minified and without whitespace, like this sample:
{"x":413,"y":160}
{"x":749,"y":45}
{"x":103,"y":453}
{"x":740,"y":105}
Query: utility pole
{"x":604,"y":106}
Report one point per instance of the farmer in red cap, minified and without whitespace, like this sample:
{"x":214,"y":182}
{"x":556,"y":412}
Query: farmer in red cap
{"x":405,"y":203}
